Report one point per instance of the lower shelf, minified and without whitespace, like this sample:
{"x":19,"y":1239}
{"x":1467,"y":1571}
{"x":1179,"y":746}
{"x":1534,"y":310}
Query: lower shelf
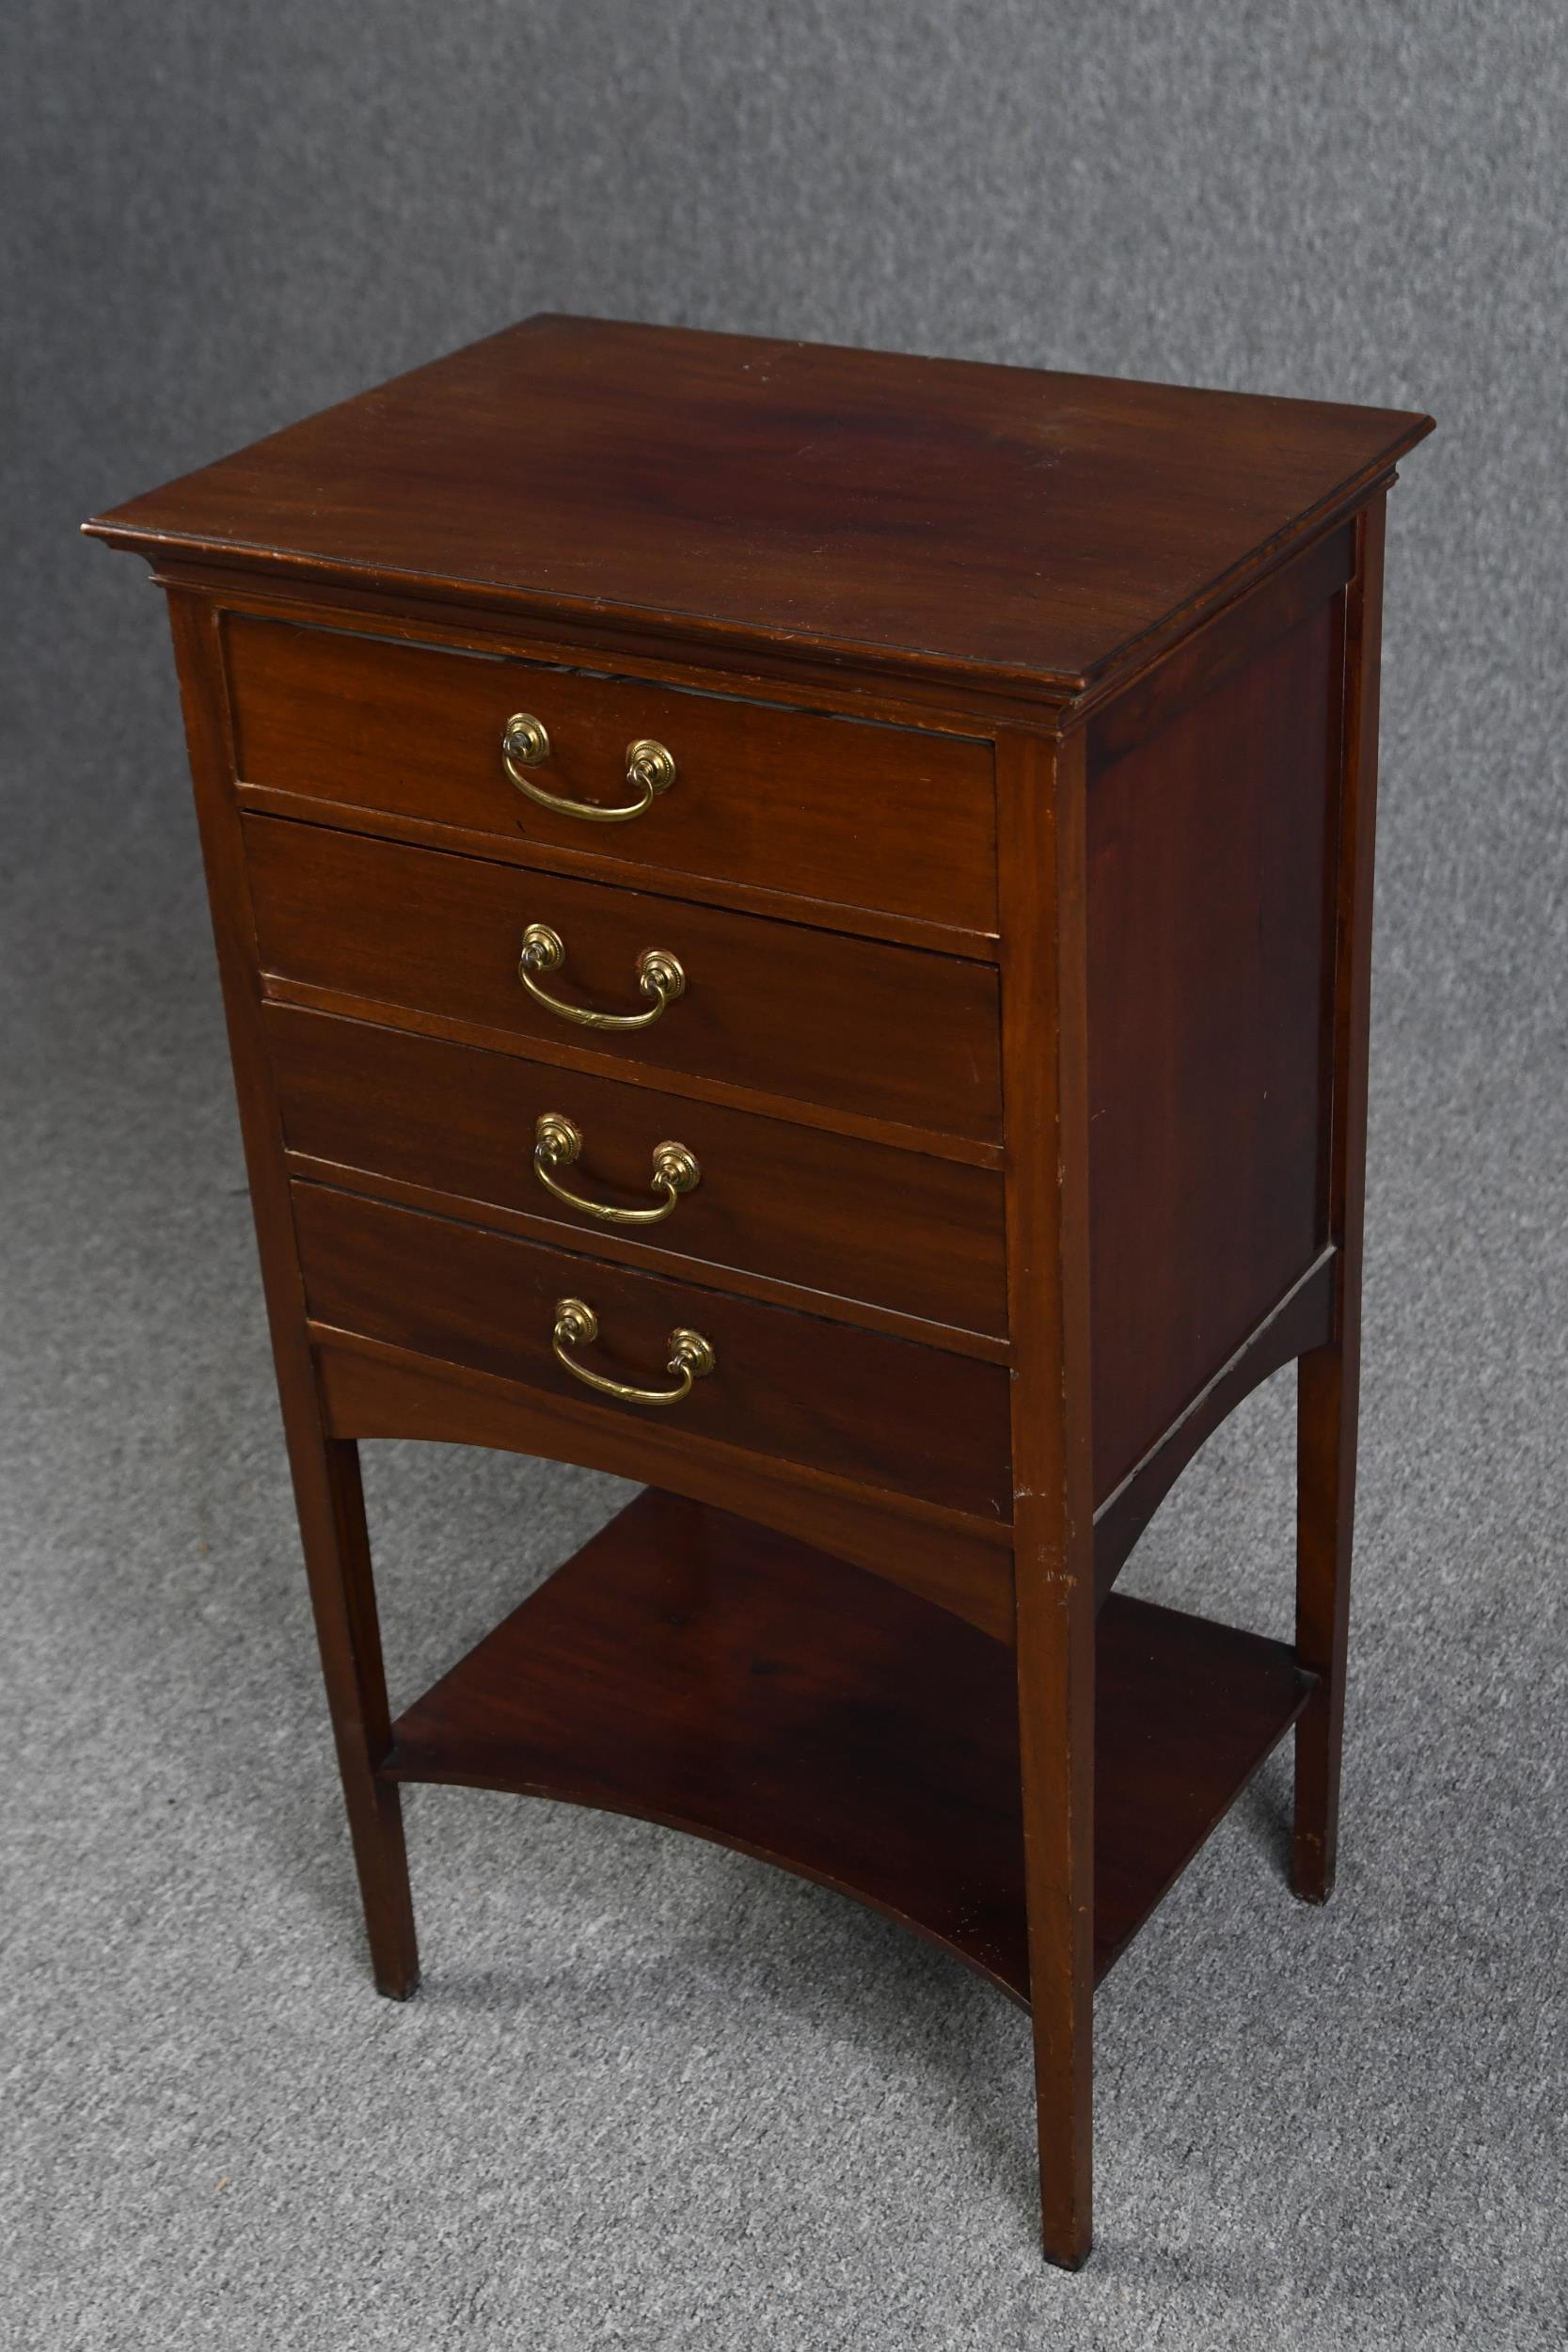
{"x":695,"y":1670}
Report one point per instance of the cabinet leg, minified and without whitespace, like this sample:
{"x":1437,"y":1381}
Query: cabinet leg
{"x":1041,"y":800}
{"x":325,"y":1470}
{"x":342,"y":1593}
{"x":1329,"y":1379}
{"x":1061,"y":1974}
{"x":1326,"y":1506}
{"x":1054,"y":1567}
{"x":1057,"y":1675}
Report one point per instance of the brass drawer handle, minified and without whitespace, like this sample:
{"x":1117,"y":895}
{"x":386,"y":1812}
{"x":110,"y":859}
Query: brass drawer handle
{"x":650,"y":771}
{"x":557,"y":1143}
{"x":658,"y":976}
{"x":690,"y":1356}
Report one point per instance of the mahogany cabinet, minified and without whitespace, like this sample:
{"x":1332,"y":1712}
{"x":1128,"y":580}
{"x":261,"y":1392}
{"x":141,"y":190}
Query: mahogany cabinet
{"x":795,"y":926}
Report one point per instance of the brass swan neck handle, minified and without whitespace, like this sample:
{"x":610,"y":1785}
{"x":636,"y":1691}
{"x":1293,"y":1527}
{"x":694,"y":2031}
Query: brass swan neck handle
{"x":659,"y":975}
{"x":558,"y":1143}
{"x":692,"y":1357}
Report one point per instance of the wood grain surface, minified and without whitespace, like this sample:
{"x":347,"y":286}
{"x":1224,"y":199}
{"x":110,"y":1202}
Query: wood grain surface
{"x":781,"y":1202}
{"x":1211,"y":926}
{"x":878,"y":1410}
{"x":880,"y":1032}
{"x":789,"y":801}
{"x":932,"y":516}
{"x":675,"y":1669}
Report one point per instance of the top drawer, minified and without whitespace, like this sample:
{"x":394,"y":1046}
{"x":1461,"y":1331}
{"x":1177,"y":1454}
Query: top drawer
{"x":840,"y":810}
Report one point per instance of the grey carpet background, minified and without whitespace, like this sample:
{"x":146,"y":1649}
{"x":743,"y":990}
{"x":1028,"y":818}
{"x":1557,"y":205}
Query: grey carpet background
{"x":653,"y":2096}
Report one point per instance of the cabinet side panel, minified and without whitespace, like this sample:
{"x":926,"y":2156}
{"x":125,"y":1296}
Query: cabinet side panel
{"x":1210,"y":923}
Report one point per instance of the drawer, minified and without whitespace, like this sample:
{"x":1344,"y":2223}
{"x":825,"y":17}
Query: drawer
{"x":826,"y":1212}
{"x":883,"y":1412}
{"x":887,"y":817}
{"x":878,"y":1031}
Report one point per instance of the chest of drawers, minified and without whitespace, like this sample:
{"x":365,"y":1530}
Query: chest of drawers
{"x":795,"y":926}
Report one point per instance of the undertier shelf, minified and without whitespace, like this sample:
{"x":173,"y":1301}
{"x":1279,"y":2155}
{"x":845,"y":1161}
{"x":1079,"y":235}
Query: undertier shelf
{"x":694,"y":1669}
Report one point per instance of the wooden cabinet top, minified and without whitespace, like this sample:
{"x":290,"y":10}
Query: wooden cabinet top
{"x":928,"y":518}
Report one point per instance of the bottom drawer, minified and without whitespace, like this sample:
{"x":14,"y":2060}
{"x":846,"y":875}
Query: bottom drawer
{"x":883,"y":1412}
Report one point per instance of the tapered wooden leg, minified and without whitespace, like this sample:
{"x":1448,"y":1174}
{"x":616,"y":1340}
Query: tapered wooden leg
{"x":1056,"y":1720}
{"x":343,"y":1595}
{"x":325,"y":1470}
{"x":1329,"y":1379}
{"x":1325,"y":1482}
{"x":1041,"y":823}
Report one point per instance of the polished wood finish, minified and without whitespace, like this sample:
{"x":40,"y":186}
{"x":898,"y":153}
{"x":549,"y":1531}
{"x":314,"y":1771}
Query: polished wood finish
{"x":325,"y":1471}
{"x":1203,"y":661}
{"x":1041,"y":815}
{"x":912,"y":515}
{"x":825,"y":1217}
{"x":931,"y":1142}
{"x":1330,"y":1376}
{"x":881,"y":1033}
{"x":1208,"y":939}
{"x":835,"y":915}
{"x":675,"y":1669}
{"x":960,"y":1562}
{"x":854,"y":1403}
{"x":789,"y":675}
{"x":1302,"y":1321}
{"x":1020,"y":863}
{"x":766,"y":796}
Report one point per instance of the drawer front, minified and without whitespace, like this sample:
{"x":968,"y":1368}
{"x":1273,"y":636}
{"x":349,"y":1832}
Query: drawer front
{"x":836,"y":809}
{"x":891,"y":1033}
{"x":829,"y":1213}
{"x":883,"y":1412}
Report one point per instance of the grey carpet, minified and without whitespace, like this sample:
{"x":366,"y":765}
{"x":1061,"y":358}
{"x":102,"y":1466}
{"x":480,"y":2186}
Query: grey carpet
{"x":652,"y":2094}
